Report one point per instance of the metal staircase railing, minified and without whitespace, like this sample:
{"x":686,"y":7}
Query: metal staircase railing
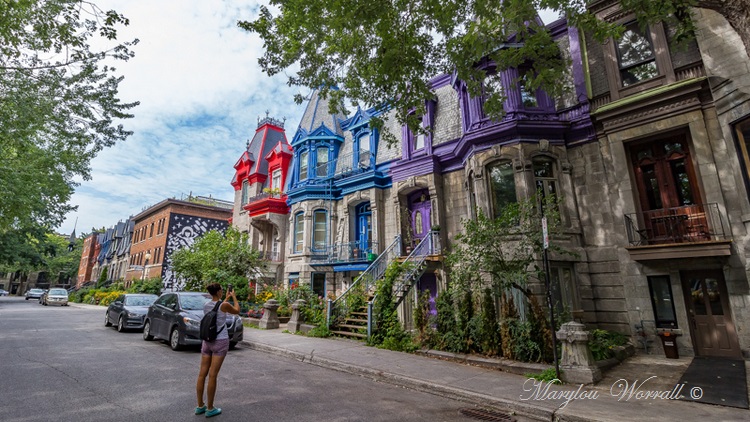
{"x":415,"y":264}
{"x":341,"y":306}
{"x":415,"y":267}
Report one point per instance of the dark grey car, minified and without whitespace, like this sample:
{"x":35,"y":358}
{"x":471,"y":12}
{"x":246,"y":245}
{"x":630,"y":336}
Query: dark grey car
{"x":128,"y":311}
{"x":176,"y":317}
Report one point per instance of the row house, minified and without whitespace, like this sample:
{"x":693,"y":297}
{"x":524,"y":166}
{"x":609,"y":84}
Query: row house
{"x":88,"y":258}
{"x":648,"y":153}
{"x":260,"y":201}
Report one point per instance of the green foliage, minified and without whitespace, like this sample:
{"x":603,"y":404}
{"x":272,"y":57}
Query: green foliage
{"x":548,"y":375}
{"x":149,"y":285}
{"x":220,"y":258}
{"x":603,"y":342}
{"x":20,"y":250}
{"x":488,"y":337}
{"x":58,"y":103}
{"x":388,"y":332}
{"x":319,"y":331}
{"x":386,"y":52}
{"x":425,"y":333}
{"x":102,"y":277}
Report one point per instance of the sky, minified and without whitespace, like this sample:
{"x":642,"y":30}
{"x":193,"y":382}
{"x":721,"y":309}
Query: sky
{"x":201,"y":92}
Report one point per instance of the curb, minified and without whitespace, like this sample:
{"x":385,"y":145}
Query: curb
{"x":504,"y":405}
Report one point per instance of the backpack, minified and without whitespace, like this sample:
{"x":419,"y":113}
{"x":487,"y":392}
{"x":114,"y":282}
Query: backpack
{"x":209,"y":330}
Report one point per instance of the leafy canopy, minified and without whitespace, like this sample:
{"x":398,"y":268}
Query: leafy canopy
{"x":224,"y":258}
{"x":59,"y":104}
{"x":386,"y":52}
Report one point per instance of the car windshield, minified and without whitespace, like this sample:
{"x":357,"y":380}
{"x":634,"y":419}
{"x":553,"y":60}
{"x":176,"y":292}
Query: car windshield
{"x":58,"y":292}
{"x":140,"y":300}
{"x":36,"y":291}
{"x":194,"y":302}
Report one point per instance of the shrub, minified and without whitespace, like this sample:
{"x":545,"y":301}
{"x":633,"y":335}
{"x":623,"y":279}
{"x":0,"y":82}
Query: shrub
{"x":489,"y":330}
{"x":388,"y":332}
{"x":603,"y":342}
{"x":548,"y":375}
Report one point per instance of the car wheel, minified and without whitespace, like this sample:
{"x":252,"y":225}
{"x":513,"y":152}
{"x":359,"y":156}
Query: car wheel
{"x":174,"y":339}
{"x":232,"y":345}
{"x":147,"y":332}
{"x":120,"y":325}
{"x":106,"y":320}
{"x":27,"y":298}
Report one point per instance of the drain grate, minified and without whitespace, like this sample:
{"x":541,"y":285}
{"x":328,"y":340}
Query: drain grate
{"x":486,"y":415}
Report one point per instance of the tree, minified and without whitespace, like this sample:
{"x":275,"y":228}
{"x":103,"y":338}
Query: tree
{"x":224,"y":258}
{"x":47,"y":252}
{"x":386,"y":52}
{"x":58,"y":105}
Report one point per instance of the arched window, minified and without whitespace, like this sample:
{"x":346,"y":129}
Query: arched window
{"x":303,"y":165}
{"x":321,"y":166}
{"x":320,"y":230}
{"x":299,"y":230}
{"x":502,"y":186}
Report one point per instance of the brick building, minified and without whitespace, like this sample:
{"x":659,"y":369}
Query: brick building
{"x":167,"y":226}
{"x":88,"y":259}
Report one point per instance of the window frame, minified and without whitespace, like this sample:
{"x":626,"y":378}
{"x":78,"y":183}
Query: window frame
{"x":320,"y":148}
{"x":358,"y":162}
{"x":315,"y":244}
{"x":298,"y":233}
{"x":547,"y":181}
{"x":312,"y":282}
{"x":658,"y":321}
{"x":621,"y":68}
{"x":306,"y":154}
{"x":664,"y":66}
{"x":276,"y":174}
{"x":245,"y":192}
{"x":490,"y":188}
{"x":743,"y":145}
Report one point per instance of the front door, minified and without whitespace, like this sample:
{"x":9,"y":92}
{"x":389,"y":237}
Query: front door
{"x":710,"y":319}
{"x":420,"y":209}
{"x":364,"y":228}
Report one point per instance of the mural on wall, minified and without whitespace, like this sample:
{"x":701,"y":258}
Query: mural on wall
{"x":183,"y":230}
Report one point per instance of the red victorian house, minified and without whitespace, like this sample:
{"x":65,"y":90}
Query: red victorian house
{"x":259,"y":182}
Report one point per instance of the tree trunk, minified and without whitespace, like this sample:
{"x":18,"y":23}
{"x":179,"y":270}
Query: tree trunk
{"x":737,"y":14}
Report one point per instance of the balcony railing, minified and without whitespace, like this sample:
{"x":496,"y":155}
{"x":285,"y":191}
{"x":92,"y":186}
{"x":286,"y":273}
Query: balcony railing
{"x":690,"y":223}
{"x":346,"y":252}
{"x":271,"y":256}
{"x":257,"y":198}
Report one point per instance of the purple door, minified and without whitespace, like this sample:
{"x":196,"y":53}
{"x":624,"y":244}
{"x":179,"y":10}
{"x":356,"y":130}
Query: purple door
{"x":419,"y":206}
{"x":428,"y":282}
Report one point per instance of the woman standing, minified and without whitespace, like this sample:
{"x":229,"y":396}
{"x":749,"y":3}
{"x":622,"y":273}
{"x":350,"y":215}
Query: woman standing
{"x":214,"y":352}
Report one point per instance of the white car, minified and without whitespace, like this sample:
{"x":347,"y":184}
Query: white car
{"x":3,"y":292}
{"x":56,"y":297}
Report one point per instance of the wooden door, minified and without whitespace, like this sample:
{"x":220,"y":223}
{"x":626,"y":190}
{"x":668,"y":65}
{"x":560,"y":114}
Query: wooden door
{"x":709,"y":315}
{"x":420,"y":209}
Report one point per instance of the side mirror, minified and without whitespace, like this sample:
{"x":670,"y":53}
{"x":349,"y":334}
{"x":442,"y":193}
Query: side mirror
{"x":117,"y":302}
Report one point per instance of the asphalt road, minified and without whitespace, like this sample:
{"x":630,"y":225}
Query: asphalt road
{"x":62,"y":364}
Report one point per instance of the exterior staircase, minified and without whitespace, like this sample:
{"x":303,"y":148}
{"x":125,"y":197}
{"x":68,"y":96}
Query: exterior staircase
{"x":354,"y":323}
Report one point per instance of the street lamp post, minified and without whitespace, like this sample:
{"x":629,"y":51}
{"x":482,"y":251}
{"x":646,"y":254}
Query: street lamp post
{"x":148,"y":256}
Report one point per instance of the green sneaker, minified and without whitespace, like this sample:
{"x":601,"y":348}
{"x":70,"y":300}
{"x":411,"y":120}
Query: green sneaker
{"x":200,"y":410}
{"x":213,"y":412}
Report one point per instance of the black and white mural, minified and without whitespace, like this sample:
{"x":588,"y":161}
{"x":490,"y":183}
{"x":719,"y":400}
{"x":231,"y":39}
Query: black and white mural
{"x":182,"y":232}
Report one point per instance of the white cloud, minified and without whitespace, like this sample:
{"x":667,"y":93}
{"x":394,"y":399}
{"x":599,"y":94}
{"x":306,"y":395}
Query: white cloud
{"x":201,"y":91}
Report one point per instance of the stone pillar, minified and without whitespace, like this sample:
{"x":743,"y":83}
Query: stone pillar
{"x":297,"y":319}
{"x":270,"y":319}
{"x":577,"y":364}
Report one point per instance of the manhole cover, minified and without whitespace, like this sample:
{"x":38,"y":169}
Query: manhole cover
{"x":486,"y":415}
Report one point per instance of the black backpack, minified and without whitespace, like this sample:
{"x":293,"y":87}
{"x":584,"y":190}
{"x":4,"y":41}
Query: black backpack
{"x":209,"y":330}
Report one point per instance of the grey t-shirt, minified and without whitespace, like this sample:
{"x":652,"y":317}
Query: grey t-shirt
{"x":221,"y":320}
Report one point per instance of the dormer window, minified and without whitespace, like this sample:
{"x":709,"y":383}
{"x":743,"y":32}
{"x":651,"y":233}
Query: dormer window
{"x":364,"y":151}
{"x":276,"y":179}
{"x":635,"y":55}
{"x":321,"y":165}
{"x":528,"y":94}
{"x":303,"y":165}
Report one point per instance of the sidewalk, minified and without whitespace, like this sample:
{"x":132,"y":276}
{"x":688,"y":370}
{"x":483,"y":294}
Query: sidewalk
{"x":486,"y":388}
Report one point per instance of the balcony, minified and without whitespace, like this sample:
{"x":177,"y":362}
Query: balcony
{"x":344,"y":254}
{"x":266,"y":202}
{"x":680,"y":232}
{"x":270,"y":256}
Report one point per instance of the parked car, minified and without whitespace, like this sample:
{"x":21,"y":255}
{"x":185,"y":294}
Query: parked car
{"x":176,"y":317}
{"x":34,"y":293}
{"x":55,"y":297}
{"x":129,"y":311}
{"x":3,"y":292}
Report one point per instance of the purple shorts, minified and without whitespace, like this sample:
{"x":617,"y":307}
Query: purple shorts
{"x":215,"y":348}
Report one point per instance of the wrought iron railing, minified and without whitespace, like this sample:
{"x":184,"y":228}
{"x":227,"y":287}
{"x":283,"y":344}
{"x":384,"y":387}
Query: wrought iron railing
{"x":690,"y":223}
{"x":342,"y":305}
{"x":263,"y":196}
{"x":273,"y":256}
{"x":345,"y":252}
